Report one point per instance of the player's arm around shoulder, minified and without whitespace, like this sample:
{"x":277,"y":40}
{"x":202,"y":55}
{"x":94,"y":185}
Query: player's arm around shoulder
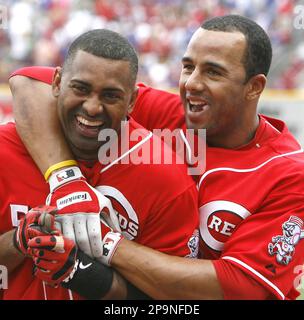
{"x":34,"y":104}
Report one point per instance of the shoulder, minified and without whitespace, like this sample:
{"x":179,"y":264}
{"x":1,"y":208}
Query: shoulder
{"x":8,"y":133}
{"x":10,"y":140}
{"x":161,"y":167}
{"x":156,"y":108}
{"x":43,"y":74}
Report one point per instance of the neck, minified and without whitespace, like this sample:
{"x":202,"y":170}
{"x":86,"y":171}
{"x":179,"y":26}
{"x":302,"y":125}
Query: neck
{"x":237,"y":138}
{"x":84,"y":155}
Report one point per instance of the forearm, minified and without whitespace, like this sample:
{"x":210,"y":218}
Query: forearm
{"x":10,"y":257}
{"x":121,"y":290}
{"x":37,"y":122}
{"x":166,"y":277}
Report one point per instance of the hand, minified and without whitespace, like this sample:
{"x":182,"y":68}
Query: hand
{"x":37,"y":221}
{"x":57,"y":261}
{"x":54,"y":258}
{"x":79,"y":209}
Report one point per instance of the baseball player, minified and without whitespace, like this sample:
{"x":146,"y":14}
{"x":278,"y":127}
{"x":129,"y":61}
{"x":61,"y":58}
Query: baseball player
{"x":153,"y":204}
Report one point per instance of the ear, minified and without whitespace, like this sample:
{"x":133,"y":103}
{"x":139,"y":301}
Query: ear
{"x":133,"y":100}
{"x":56,"y":82}
{"x":255,"y":86}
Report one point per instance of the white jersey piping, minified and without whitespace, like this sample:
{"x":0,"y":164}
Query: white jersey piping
{"x":243,"y":264}
{"x":248,"y":169}
{"x":128,"y":152}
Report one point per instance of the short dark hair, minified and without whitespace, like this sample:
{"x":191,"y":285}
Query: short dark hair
{"x":258,"y":53}
{"x":106,"y":44}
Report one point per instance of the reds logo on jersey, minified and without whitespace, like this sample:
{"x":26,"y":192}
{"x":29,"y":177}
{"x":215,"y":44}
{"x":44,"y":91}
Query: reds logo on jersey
{"x":127,"y":216}
{"x":218,"y":220}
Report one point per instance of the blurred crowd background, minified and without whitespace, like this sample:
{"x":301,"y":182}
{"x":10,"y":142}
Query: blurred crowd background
{"x":38,"y":32}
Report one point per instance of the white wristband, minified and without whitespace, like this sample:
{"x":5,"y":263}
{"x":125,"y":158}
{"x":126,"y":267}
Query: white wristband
{"x":60,"y":177}
{"x":110,"y":244}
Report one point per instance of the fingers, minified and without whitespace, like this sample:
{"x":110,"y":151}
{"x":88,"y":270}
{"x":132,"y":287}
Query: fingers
{"x":55,"y":243}
{"x":67,"y":226}
{"x":34,"y":231}
{"x":47,"y":255}
{"x":45,"y":265}
{"x":47,"y":223}
{"x":81,"y":233}
{"x":94,"y":232}
{"x":84,"y":230}
{"x":107,"y":211}
{"x":58,"y":227}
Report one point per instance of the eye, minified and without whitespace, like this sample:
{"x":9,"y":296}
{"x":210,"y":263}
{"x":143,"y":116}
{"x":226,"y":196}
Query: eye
{"x":79,"y":89}
{"x":213,"y":73}
{"x":188,"y":67}
{"x":111,"y":96}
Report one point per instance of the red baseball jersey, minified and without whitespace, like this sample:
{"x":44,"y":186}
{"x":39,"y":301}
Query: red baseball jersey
{"x":252,"y":208}
{"x":251,"y":200}
{"x":153,"y":109}
{"x":156,"y":203}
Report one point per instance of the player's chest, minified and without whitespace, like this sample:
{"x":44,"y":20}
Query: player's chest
{"x":18,"y":200}
{"x":227,"y":198}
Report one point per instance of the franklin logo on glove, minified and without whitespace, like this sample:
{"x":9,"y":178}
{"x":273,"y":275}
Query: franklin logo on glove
{"x":73,"y":198}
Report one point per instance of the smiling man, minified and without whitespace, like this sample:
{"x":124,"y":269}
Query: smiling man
{"x":253,"y":185}
{"x":93,"y":93}
{"x":155,"y":204}
{"x":211,"y":70}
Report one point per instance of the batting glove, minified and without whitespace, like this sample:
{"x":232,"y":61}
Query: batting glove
{"x":80,"y":207}
{"x":31,"y":226}
{"x":57,"y":260}
{"x":54,"y":258}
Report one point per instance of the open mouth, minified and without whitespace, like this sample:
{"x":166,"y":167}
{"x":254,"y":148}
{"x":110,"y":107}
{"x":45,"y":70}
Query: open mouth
{"x":89,"y":128}
{"x":197,"y":106}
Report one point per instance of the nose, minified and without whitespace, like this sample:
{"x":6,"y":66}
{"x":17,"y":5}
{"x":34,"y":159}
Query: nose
{"x":92,"y":106}
{"x":194,"y":83}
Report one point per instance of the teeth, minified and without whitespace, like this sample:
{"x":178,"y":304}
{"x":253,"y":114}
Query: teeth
{"x":195,"y":106}
{"x":89,"y":123}
{"x":197,"y":103}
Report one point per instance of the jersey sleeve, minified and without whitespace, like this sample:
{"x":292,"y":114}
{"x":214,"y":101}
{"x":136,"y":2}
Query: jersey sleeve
{"x":237,"y":285}
{"x":173,"y":228}
{"x":43,"y":74}
{"x":157,"y":109}
{"x":269,"y":245}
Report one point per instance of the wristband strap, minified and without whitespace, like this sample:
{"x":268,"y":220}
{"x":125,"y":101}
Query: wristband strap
{"x":64,"y":176}
{"x":57,"y":166}
{"x":110,"y":244}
